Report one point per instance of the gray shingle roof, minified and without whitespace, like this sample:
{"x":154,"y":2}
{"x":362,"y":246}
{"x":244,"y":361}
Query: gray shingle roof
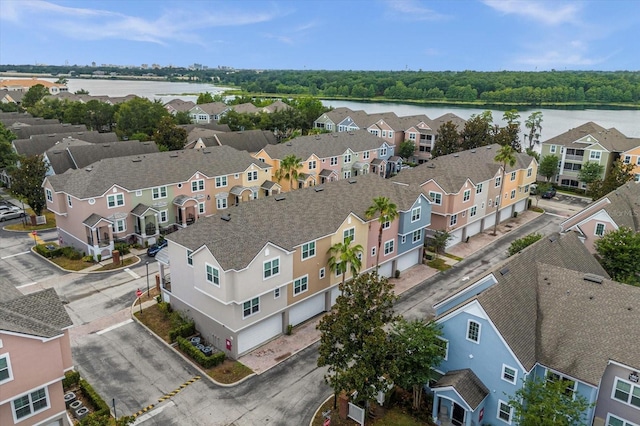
{"x":611,"y":139}
{"x":210,"y":126}
{"x":246,"y":108}
{"x":287,"y":223}
{"x":325,"y":145}
{"x":151,"y":170}
{"x":451,"y":171}
{"x":180,"y":105}
{"x":275,"y":106}
{"x":38,"y":144}
{"x":468,"y":385}
{"x":37,"y":314}
{"x":248,"y":140}
{"x":213,"y":108}
{"x":27,"y":119}
{"x":47,"y":129}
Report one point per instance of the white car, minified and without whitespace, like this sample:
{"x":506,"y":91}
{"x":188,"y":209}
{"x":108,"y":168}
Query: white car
{"x":12,"y":213}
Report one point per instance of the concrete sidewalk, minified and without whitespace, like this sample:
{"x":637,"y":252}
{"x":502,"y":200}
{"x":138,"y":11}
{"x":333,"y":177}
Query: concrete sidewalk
{"x":306,"y":334}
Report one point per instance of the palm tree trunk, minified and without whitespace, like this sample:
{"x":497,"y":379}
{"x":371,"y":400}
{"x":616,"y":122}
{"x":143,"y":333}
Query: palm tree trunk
{"x":379,"y":247}
{"x":499,"y":203}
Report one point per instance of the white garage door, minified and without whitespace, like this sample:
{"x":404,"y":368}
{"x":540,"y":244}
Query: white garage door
{"x":306,"y":309}
{"x":335,"y":292}
{"x":409,"y":259}
{"x":521,"y":205}
{"x":385,"y":269}
{"x":505,"y":214}
{"x":456,"y":237}
{"x":473,"y":228}
{"x":489,"y":220}
{"x":259,"y":333}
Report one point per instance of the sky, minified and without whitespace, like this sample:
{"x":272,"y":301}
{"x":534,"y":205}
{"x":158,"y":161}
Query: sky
{"x":428,"y":35}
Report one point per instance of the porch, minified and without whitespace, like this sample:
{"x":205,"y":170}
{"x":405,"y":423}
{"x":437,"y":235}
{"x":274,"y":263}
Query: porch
{"x":146,"y":224}
{"x":458,"y":398}
{"x":99,"y":236}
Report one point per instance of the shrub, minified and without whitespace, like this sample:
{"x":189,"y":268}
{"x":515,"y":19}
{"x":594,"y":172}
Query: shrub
{"x":99,"y":257}
{"x":71,"y":378}
{"x":123,"y":248}
{"x":101,"y":407}
{"x":197,"y":355}
{"x":524,"y":242}
{"x":184,"y":330}
{"x":397,"y":273}
{"x":71,"y":253}
{"x":42,"y":250}
{"x":164,"y":307}
{"x":87,"y":258}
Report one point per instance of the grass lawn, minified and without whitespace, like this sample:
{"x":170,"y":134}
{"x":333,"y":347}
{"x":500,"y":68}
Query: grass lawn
{"x":229,"y":371}
{"x":71,"y":265}
{"x":124,"y":262}
{"x":51,"y":223}
{"x":156,"y":321}
{"x":452,"y":256}
{"x":439,"y":264}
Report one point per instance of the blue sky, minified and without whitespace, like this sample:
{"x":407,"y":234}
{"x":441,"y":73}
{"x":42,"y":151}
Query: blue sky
{"x":482,"y":35}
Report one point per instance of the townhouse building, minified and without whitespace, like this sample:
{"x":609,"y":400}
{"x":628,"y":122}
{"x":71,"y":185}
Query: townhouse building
{"x":23,"y":85}
{"x":332,"y":156}
{"x":465,"y":189}
{"x":208,"y":113}
{"x":35,"y":353}
{"x":632,"y":156}
{"x":175,"y":106}
{"x":564,"y":320}
{"x":138,"y":198}
{"x":618,"y":208}
{"x":589,"y":142}
{"x":423,"y":132}
{"x":247,"y":274}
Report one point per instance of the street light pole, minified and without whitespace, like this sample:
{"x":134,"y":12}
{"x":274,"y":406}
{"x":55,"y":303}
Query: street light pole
{"x":148,"y":294}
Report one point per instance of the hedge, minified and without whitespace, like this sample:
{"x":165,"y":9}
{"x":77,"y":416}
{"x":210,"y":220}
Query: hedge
{"x":197,"y":355}
{"x":101,"y":407}
{"x":184,"y":330}
{"x":71,"y":378}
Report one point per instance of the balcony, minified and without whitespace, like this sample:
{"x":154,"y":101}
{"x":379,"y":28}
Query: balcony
{"x":574,"y":157}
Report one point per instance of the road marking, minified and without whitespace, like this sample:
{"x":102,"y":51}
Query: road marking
{"x":27,"y":285}
{"x":113,"y":327}
{"x":130,"y":272}
{"x":144,"y":410}
{"x":14,"y":255}
{"x":182,"y":386}
{"x":155,"y":412}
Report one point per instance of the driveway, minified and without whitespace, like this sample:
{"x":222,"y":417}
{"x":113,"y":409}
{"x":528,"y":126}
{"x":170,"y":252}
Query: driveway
{"x":564,"y":205}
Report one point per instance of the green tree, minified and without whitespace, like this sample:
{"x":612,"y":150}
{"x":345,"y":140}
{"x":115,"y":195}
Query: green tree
{"x":344,"y":257}
{"x":353,"y":342}
{"x":439,"y":240}
{"x":99,"y":116}
{"x":406,"y":149}
{"x":309,"y":109}
{"x":169,"y":136}
{"x":34,"y":95}
{"x":590,"y":172}
{"x":505,"y":156}
{"x":619,"y":252}
{"x":534,"y":125}
{"x":289,"y":169}
{"x":182,"y":117}
{"x":81,"y":92}
{"x":618,"y":175}
{"x":418,"y":349}
{"x":26,"y":182}
{"x":62,"y":80}
{"x":548,"y":166}
{"x":477,"y":131}
{"x":548,"y":403}
{"x":522,"y":243}
{"x":8,"y":157}
{"x":204,"y":98}
{"x":386,"y":211}
{"x":531,"y":153}
{"x":448,"y":140}
{"x":139,"y":115}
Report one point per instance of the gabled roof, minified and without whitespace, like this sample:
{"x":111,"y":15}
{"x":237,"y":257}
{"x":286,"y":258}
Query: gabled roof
{"x":285,"y":222}
{"x":210,"y":126}
{"x":338,"y":114}
{"x":467,"y":384}
{"x":39,"y":144}
{"x":28,"y":120}
{"x":246,"y":108}
{"x":213,"y":108}
{"x":452,"y":171}
{"x":38,"y":314}
{"x":436,"y":123}
{"x":325,"y":145}
{"x":151,"y":170}
{"x":47,"y":129}
{"x":276,"y":106}
{"x":611,"y":139}
{"x":180,"y":105}
{"x":247,"y":140}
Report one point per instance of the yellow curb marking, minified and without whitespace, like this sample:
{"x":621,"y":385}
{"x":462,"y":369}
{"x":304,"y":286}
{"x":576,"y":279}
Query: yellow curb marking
{"x":167,"y":396}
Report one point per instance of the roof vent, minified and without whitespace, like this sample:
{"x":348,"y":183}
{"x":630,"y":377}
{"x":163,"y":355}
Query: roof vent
{"x":226,"y":217}
{"x":206,"y":152}
{"x":318,"y":137}
{"x":473,"y":151}
{"x":289,"y":144}
{"x":280,"y":197}
{"x":173,"y":155}
{"x":106,"y":145}
{"x":593,"y":278}
{"x":88,"y":169}
{"x":504,"y":271}
{"x":352,"y":180}
{"x":431,"y":166}
{"x":553,"y":238}
{"x":136,"y":160}
{"x":456,"y":155}
{"x":318,"y":188}
{"x":489,"y":147}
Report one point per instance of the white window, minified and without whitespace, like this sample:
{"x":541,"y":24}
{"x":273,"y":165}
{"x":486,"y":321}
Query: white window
{"x":529,"y":172}
{"x":386,"y":225}
{"x":416,"y":213}
{"x":252,"y":175}
{"x":626,"y":392}
{"x":509,"y":374}
{"x":365,"y":155}
{"x":570,"y":385}
{"x":416,"y":236}
{"x":213,"y":275}
{"x":505,"y":411}
{"x":250,"y":307}
{"x":638,"y":161}
{"x":412,"y":136}
{"x":164,"y":217}
{"x":312,"y":165}
{"x":348,"y":234}
{"x":322,"y":273}
{"x":453,"y":220}
{"x":190,"y":257}
{"x":403,"y":239}
{"x":388,"y":247}
{"x":373,"y":251}
{"x":600,"y":229}
{"x":30,"y":404}
{"x":473,"y":211}
{"x":617,"y":421}
{"x":473,"y":331}
{"x":444,"y":344}
{"x":637,"y":177}
{"x":384,"y":133}
{"x":482,"y":205}
{"x":513,"y":194}
{"x":436,"y":197}
{"x":139,"y":192}
{"x":201,"y":208}
{"x":120,"y":226}
{"x":390,"y":133}
{"x":498,"y":180}
{"x":69,"y":203}
{"x":383,"y":151}
{"x":276,"y":293}
{"x":221,"y":181}
{"x":346,"y":174}
{"x":466,"y":196}
{"x":300,"y":285}
{"x":271,"y":268}
{"x":5,"y":369}
{"x":221,"y":203}
{"x":333,"y":161}
{"x":197,"y":185}
{"x":552,"y":149}
{"x":159,"y":192}
{"x":115,"y":200}
{"x":308,"y":250}
{"x":595,"y":155}
{"x":513,"y":176}
{"x":346,"y":158}
{"x":478,"y":188}
{"x":49,"y":195}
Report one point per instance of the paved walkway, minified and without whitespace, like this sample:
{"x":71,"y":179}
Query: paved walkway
{"x":305,"y":334}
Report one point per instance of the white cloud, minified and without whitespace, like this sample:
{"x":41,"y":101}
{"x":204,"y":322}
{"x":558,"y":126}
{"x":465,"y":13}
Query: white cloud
{"x":573,"y":55}
{"x":412,"y":10}
{"x":548,"y":13}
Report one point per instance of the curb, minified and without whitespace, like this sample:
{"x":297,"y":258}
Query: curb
{"x":122,"y":268}
{"x":315,"y":414}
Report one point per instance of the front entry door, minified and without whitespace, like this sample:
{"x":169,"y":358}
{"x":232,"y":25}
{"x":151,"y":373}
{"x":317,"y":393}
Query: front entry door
{"x":458,"y":415}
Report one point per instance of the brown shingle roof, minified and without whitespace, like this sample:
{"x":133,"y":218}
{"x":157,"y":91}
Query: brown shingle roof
{"x":37,"y":314}
{"x":38,"y":144}
{"x":467,"y":384}
{"x":248,"y":140}
{"x":611,"y":139}
{"x":325,"y":145}
{"x":27,"y":131}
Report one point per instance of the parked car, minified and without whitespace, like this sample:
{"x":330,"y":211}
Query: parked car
{"x":533,"y":189}
{"x":13,"y":213}
{"x":550,"y":193}
{"x":155,"y":248}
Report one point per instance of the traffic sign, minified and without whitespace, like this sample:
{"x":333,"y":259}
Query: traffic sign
{"x":138,"y":293}
{"x":34,"y":233}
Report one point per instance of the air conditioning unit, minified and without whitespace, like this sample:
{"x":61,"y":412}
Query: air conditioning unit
{"x":82,"y":412}
{"x":69,"y":397}
{"x":75,"y":405}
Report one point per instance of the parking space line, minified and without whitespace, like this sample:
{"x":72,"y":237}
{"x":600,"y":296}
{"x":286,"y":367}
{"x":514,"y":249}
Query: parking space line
{"x":113,"y":327}
{"x":14,"y":255}
{"x":130,"y":272}
{"x":26,"y":285}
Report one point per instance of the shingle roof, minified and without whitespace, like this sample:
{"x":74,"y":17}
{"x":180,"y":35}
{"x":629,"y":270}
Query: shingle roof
{"x":213,"y":108}
{"x":286,"y":223}
{"x":38,"y":144}
{"x":180,"y":105}
{"x":27,"y":119}
{"x":436,"y":123}
{"x":338,"y":114}
{"x":611,"y":139}
{"x":37,"y":314}
{"x":325,"y":145}
{"x":275,"y":106}
{"x":452,"y":171}
{"x":151,"y":170}
{"x":467,"y":384}
{"x":210,"y":126}
{"x":27,"y":131}
{"x":246,"y":108}
{"x":248,"y":140}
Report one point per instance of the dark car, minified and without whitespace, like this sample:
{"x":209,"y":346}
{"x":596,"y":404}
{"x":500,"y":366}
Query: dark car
{"x":550,"y":193}
{"x":154,"y":249}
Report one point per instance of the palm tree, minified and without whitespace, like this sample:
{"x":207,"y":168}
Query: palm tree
{"x":343,"y":257}
{"x":288,"y":170}
{"x":387,"y":211}
{"x":506,"y":155}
